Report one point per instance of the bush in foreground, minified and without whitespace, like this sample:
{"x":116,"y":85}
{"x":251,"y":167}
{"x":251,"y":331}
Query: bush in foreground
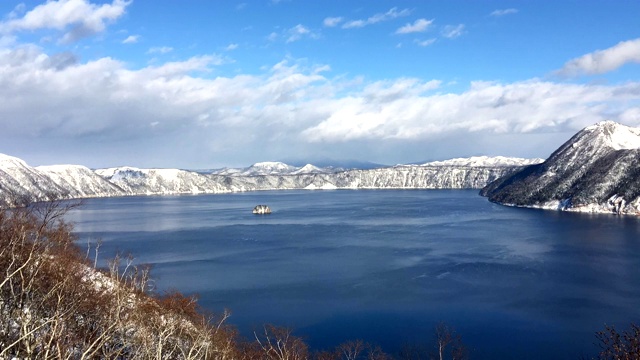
{"x":619,"y":345}
{"x":55,"y":305}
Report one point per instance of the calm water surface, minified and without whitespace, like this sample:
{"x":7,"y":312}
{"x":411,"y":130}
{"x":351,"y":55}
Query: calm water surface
{"x":387,"y":265}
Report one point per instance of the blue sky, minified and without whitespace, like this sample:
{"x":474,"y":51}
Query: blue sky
{"x":204,"y":84}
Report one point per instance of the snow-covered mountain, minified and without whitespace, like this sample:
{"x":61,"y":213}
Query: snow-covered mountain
{"x":597,"y":170}
{"x":280,"y":176}
{"x":80,"y":181}
{"x":136,"y":181}
{"x":310,"y":169}
{"x":272,"y":168}
{"x":21,"y":181}
{"x":485,"y":161}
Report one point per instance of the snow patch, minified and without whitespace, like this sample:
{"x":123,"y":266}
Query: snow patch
{"x":325,"y":186}
{"x":168,"y":174}
{"x":307,"y":169}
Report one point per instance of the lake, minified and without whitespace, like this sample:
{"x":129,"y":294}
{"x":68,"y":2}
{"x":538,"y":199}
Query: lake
{"x":387,"y":265}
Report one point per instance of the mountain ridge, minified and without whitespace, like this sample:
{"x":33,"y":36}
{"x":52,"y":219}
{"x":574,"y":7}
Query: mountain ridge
{"x":18,"y":180}
{"x":596,"y":170}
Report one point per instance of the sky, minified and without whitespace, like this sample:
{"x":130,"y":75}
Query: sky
{"x":204,"y":84}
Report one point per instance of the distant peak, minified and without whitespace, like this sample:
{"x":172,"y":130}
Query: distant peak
{"x":11,"y":161}
{"x":269,"y":164}
{"x":617,"y":136}
{"x":309,"y":166}
{"x":606,"y":123}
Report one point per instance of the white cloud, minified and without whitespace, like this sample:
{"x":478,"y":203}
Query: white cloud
{"x":425,"y":42}
{"x":231,"y":47}
{"x":402,"y":110}
{"x":453,"y":31}
{"x":352,"y":24}
{"x":293,"y":34}
{"x":115,"y":111}
{"x":332,"y":21}
{"x":503,"y":12}
{"x":7,"y":41}
{"x":420,"y":25}
{"x":131,"y":39}
{"x":603,"y":61}
{"x":393,"y":13}
{"x":76,"y":18}
{"x":297,"y":32}
{"x":160,"y":50}
{"x":631,"y":116}
{"x":177,"y":68}
{"x":161,"y":92}
{"x":17,"y":11}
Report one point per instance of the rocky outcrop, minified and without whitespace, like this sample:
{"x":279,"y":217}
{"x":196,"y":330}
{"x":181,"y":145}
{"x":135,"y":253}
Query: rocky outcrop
{"x":261,"y":210}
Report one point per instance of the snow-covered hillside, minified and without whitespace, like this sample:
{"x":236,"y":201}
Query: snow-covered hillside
{"x":279,"y":176}
{"x":80,"y":181}
{"x":21,"y":181}
{"x":161,"y":181}
{"x":485,"y":161}
{"x":597,"y":170}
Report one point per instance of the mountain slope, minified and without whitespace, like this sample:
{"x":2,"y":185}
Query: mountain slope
{"x":21,"y":182}
{"x":161,"y":181}
{"x":485,"y":161}
{"x":597,"y":170}
{"x":397,"y":177}
{"x":80,"y":181}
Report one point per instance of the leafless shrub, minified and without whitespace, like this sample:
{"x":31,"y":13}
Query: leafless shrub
{"x":279,"y":343}
{"x":619,"y":346}
{"x":353,"y":350}
{"x":55,"y":305}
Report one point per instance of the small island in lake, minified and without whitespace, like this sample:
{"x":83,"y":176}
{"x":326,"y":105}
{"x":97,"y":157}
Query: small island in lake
{"x":261,"y":209}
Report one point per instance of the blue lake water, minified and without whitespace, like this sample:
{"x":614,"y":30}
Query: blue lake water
{"x":387,"y":265}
